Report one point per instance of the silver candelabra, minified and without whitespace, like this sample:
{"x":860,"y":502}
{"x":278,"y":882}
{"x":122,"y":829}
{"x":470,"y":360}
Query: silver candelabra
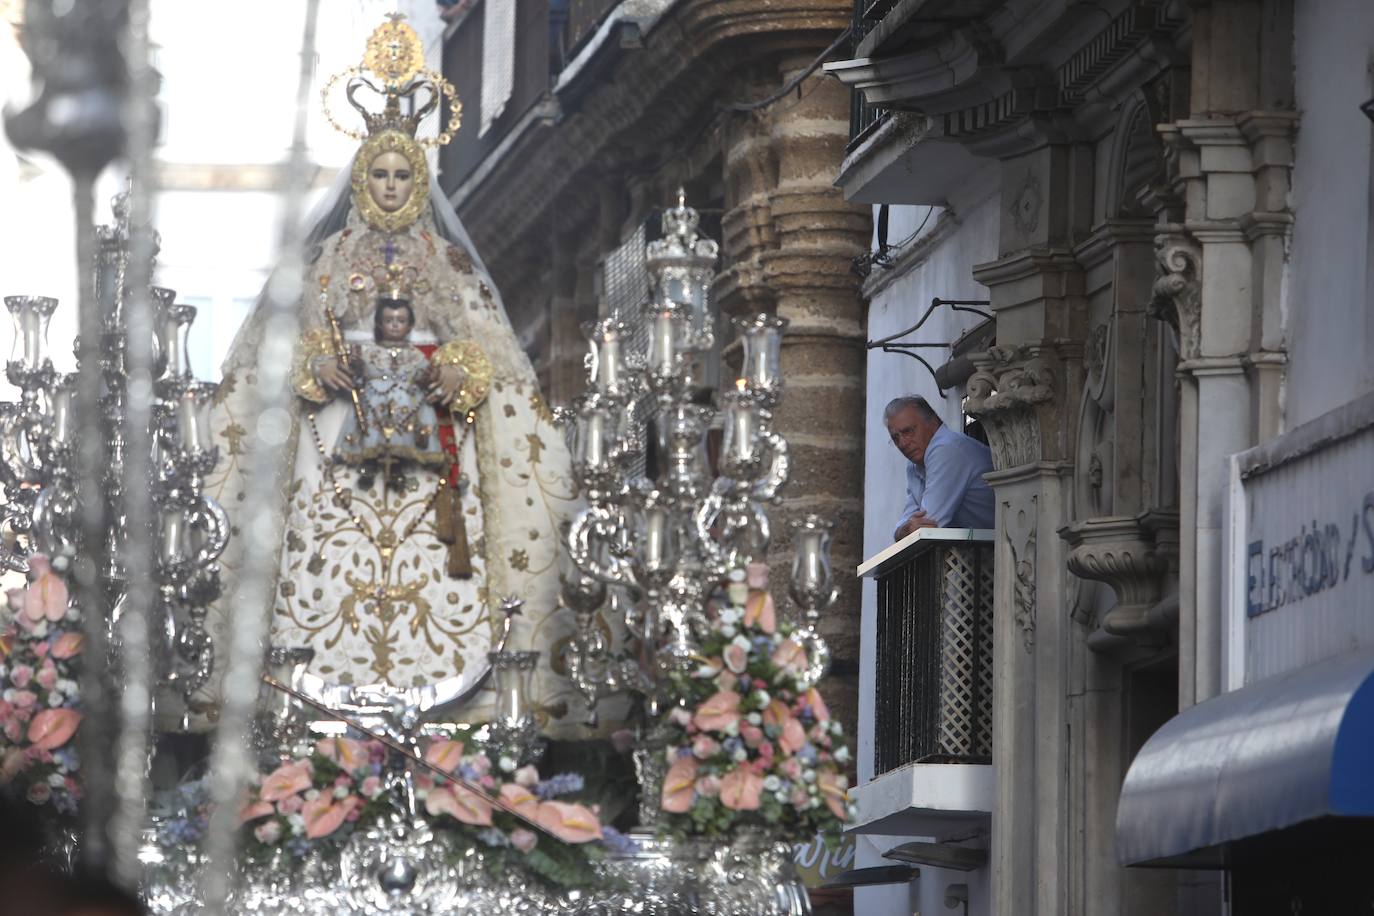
{"x":38,"y":440}
{"x":649,"y":549}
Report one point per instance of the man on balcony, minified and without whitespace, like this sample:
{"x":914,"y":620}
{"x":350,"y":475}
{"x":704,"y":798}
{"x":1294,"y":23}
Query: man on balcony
{"x":944,"y":480}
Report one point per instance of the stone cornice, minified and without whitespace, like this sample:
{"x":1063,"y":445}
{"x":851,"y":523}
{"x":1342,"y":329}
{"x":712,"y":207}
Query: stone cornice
{"x":661,"y":90}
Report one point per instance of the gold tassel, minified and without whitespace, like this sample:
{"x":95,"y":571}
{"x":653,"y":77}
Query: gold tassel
{"x":459,"y":559}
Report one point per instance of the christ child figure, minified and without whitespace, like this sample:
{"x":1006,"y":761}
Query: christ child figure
{"x":399,"y":424}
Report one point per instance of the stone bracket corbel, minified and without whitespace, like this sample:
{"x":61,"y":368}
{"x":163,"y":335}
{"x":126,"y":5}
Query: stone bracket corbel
{"x":1177,"y":291}
{"x":1013,"y":392}
{"x":1133,"y":555}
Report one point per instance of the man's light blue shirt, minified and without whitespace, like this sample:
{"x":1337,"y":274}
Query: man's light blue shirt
{"x":949,"y":484}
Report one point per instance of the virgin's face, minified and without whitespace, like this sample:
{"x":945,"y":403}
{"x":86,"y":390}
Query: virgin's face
{"x":390,"y":181}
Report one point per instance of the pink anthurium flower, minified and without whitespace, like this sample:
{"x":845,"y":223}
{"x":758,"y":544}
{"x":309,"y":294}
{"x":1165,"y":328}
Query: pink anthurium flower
{"x":52,"y":728}
{"x":718,"y":712}
{"x":679,"y":786}
{"x":67,"y":645}
{"x":252,"y":810}
{"x":759,"y":611}
{"x":520,"y":798}
{"x":324,"y":814}
{"x":571,"y":823}
{"x":445,"y":754}
{"x":813,"y":699}
{"x":286,"y":780}
{"x":793,"y":736}
{"x":47,"y":593}
{"x":461,"y":804}
{"x":740,"y":789}
{"x":832,"y":786}
{"x":346,"y":752}
{"x":790,"y":656}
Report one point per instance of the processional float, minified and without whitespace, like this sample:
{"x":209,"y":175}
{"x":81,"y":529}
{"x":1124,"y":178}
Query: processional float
{"x":665,"y":574}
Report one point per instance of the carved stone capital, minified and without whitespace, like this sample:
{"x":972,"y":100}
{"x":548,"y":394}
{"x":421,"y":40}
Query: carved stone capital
{"x":1125,"y":553}
{"x":1177,"y":292}
{"x":1009,"y":396}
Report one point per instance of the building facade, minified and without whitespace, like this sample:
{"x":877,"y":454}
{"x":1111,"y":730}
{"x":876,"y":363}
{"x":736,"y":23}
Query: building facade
{"x":1167,"y":207}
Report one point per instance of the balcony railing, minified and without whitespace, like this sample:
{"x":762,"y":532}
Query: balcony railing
{"x":864,"y":118}
{"x":933,"y":677}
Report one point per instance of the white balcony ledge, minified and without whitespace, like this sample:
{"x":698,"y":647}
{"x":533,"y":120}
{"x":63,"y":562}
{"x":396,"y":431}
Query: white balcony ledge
{"x":917,"y":543}
{"x":938,"y":800}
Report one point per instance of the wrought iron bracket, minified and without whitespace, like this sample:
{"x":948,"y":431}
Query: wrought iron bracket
{"x":893,"y":343}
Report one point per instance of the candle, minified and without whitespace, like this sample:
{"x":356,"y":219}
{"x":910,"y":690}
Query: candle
{"x":63,"y":393}
{"x":740,"y":446}
{"x":174,"y":331}
{"x":662,"y":356}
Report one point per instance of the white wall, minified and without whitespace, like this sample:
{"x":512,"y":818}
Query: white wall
{"x":945,"y":272}
{"x":1330,"y":321}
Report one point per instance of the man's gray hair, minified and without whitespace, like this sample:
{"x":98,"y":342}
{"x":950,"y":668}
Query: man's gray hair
{"x":915,"y":402}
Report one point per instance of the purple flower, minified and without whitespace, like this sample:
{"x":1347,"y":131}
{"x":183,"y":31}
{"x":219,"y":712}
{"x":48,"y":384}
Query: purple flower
{"x":618,"y":842}
{"x":562,"y":784}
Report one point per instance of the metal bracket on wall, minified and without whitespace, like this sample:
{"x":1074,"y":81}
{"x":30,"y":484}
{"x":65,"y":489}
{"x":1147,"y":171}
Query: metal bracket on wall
{"x":894,"y":344}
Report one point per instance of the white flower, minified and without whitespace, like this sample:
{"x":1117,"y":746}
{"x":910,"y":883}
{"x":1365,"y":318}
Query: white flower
{"x":809,"y":776}
{"x":340,"y":792}
{"x":842,"y":754}
{"x":732,"y":729}
{"x":737,"y":593}
{"x":771,"y":783}
{"x":729,"y":615}
{"x":742,"y":641}
{"x":762,"y":697}
{"x":421,"y":794}
{"x":66,"y":685}
{"x":506,"y":764}
{"x":781,"y":796}
{"x":40,"y":629}
{"x":705,"y":671}
{"x":55,"y":699}
{"x":836,"y":728}
{"x":8,"y":695}
{"x":56,"y":780}
{"x":312,"y":794}
{"x":740,"y":755}
{"x":813,"y":802}
{"x":680,"y":716}
{"x":736,"y":575}
{"x":297,"y":823}
{"x":754,"y":718}
{"x":727,"y":631}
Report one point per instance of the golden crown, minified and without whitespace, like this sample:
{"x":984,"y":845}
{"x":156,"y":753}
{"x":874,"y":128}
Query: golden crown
{"x":398,"y":282}
{"x":395,"y":60}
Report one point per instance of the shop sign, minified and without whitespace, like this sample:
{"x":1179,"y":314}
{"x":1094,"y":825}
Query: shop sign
{"x":1302,"y":535}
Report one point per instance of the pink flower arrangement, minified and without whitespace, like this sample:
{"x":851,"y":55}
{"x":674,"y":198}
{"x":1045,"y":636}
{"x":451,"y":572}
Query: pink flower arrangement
{"x":316,"y":798}
{"x":754,"y":744}
{"x":40,"y":649}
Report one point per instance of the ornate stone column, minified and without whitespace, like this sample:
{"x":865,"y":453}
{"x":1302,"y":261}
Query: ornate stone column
{"x":789,"y":242}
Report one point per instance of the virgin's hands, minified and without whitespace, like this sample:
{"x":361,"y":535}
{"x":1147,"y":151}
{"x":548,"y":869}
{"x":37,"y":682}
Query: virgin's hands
{"x":333,"y":376}
{"x":447,"y":386}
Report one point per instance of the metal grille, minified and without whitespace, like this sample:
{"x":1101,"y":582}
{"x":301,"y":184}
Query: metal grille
{"x":934,"y":679}
{"x":624,"y":290}
{"x":864,"y":118}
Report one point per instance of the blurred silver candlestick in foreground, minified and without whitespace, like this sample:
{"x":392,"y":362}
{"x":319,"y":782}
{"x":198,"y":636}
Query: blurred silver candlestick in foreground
{"x":37,"y":436}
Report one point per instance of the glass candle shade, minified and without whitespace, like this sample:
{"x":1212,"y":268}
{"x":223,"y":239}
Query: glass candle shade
{"x":173,"y":335}
{"x":741,"y":446}
{"x":595,"y":433}
{"x":175,"y":546}
{"x":761,"y":339}
{"x":812,"y":578}
{"x":667,"y":338}
{"x":193,"y":417}
{"x":31,"y":315}
{"x":62,"y":398}
{"x":607,"y":371}
{"x":511,"y":676}
{"x":655,"y":535}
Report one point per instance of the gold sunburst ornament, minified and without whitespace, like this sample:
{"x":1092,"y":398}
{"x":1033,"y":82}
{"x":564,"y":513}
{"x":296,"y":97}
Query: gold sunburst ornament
{"x":394,"y":59}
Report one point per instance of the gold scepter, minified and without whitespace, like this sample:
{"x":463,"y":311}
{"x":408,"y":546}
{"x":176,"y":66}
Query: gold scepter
{"x":341,"y":350}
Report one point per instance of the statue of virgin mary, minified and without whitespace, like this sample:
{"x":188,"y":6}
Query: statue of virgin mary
{"x":397,"y":580}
